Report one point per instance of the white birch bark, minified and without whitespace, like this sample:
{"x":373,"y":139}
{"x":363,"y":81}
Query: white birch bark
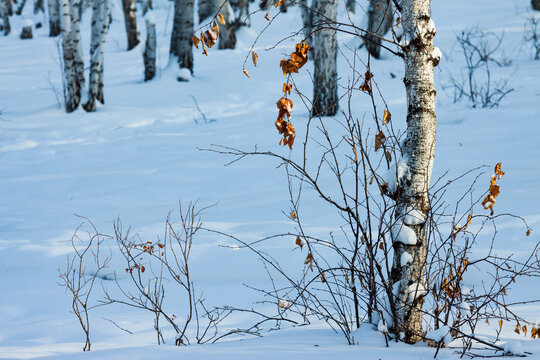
{"x":149,"y":54}
{"x":101,"y":10}
{"x":130,"y":20}
{"x":4,"y":17}
{"x":181,"y":48}
{"x":380,"y":16}
{"x":325,"y":98}
{"x":419,"y":151}
{"x":78,"y":58}
{"x":72,"y":88}
{"x":54,"y":17}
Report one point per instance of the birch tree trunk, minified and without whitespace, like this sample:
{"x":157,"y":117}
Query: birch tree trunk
{"x":4,"y":17}
{"x":78,"y":58}
{"x":350,"y":5}
{"x":535,"y":4}
{"x":241,"y":8}
{"x":54,"y":17}
{"x":307,"y":20}
{"x":227,"y":32}
{"x":325,"y":98}
{"x":21,"y":7}
{"x":38,"y":7}
{"x":380,"y":16}
{"x":130,"y":18}
{"x":419,"y":152}
{"x":149,"y":54}
{"x":72,"y":87}
{"x":181,"y":44}
{"x":101,"y":10}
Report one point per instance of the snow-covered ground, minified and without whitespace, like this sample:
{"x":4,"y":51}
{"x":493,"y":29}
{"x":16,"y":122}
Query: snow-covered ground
{"x":137,"y":157}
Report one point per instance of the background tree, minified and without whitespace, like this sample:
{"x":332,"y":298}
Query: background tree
{"x":101,"y":10}
{"x":54,"y":17}
{"x":149,"y":54}
{"x":227,"y":32}
{"x":130,"y":18}
{"x":72,"y":85}
{"x":39,"y":7}
{"x":380,"y":15}
{"x":181,"y":48}
{"x":419,"y":152}
{"x":4,"y":17}
{"x":325,"y":97}
{"x":535,"y":4}
{"x":75,"y":9}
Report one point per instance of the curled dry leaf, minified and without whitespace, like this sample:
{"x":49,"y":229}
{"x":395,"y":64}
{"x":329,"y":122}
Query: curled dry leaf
{"x":254,"y":57}
{"x":293,"y":215}
{"x":195,"y":40}
{"x":299,"y":242}
{"x":245,"y":72}
{"x":267,"y":16}
{"x":221,"y":19}
{"x":379,"y":139}
{"x":386,"y":117}
{"x":528,"y":232}
{"x":309,"y":259}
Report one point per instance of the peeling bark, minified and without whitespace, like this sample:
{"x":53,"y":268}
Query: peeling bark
{"x":130,"y":20}
{"x":181,"y":44}
{"x":325,"y":97}
{"x":380,"y":16}
{"x":419,"y":150}
{"x":101,"y":10}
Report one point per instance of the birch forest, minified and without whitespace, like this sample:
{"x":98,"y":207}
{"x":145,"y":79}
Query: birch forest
{"x":269,"y":179}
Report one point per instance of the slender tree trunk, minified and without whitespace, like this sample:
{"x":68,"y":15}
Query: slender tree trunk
{"x":325,"y":98}
{"x":535,"y":4}
{"x":4,"y":17}
{"x":38,"y":7}
{"x":130,"y":18}
{"x":307,"y":20}
{"x":72,"y":87}
{"x":21,"y":7}
{"x":149,"y":55}
{"x":78,"y":57}
{"x":207,"y":9}
{"x":101,"y":10}
{"x":350,"y":5}
{"x":419,"y":152}
{"x":227,"y":34}
{"x":54,"y":17}
{"x":241,"y":8}
{"x":380,"y":16}
{"x":181,"y":44}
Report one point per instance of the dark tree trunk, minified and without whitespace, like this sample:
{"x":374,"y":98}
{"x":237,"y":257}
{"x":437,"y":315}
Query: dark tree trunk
{"x":54,"y":17}
{"x":535,"y":4}
{"x":149,"y":55}
{"x":130,"y":17}
{"x":380,"y":16}
{"x":181,"y":44}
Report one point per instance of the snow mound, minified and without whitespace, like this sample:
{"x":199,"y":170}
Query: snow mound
{"x":403,"y":234}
